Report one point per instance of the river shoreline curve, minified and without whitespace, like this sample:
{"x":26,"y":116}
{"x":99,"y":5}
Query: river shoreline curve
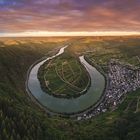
{"x":36,"y":98}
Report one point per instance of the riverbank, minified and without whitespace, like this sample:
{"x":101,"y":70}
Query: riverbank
{"x":122,"y":79}
{"x":45,"y":99}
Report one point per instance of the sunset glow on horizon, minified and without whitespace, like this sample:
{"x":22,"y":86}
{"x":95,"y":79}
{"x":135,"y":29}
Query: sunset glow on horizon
{"x":43,"y":34}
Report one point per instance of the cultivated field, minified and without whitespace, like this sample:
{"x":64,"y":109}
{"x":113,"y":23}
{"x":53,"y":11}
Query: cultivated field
{"x":64,"y":76}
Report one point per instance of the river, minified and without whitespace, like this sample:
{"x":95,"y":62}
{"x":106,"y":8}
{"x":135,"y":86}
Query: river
{"x":63,"y":105}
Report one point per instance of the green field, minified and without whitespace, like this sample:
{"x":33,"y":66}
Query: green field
{"x":64,"y":76}
{"x":22,"y":119}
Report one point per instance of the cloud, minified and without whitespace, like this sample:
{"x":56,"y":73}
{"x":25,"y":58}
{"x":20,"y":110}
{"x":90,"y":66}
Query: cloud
{"x":73,"y":15}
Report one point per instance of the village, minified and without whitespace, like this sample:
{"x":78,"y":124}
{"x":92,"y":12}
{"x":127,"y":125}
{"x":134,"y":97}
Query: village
{"x":121,"y":79}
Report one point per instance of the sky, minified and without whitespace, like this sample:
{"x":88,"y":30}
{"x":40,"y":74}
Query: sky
{"x":45,"y":16}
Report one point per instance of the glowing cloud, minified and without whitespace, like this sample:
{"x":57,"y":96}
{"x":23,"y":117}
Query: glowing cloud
{"x":69,"y":16}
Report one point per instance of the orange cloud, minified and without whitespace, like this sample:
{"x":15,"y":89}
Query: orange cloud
{"x":62,"y":15}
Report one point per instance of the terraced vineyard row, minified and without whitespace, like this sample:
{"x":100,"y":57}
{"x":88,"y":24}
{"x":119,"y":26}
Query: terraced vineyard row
{"x":64,"y":76}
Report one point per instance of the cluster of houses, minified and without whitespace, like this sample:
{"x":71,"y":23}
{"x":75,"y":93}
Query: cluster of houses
{"x":121,"y":79}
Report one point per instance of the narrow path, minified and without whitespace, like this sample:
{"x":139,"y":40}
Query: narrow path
{"x":64,"y":79}
{"x":137,"y":107}
{"x":138,"y":58}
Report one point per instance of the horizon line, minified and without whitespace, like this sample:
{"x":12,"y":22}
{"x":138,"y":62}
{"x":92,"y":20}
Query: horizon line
{"x":73,"y":33}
